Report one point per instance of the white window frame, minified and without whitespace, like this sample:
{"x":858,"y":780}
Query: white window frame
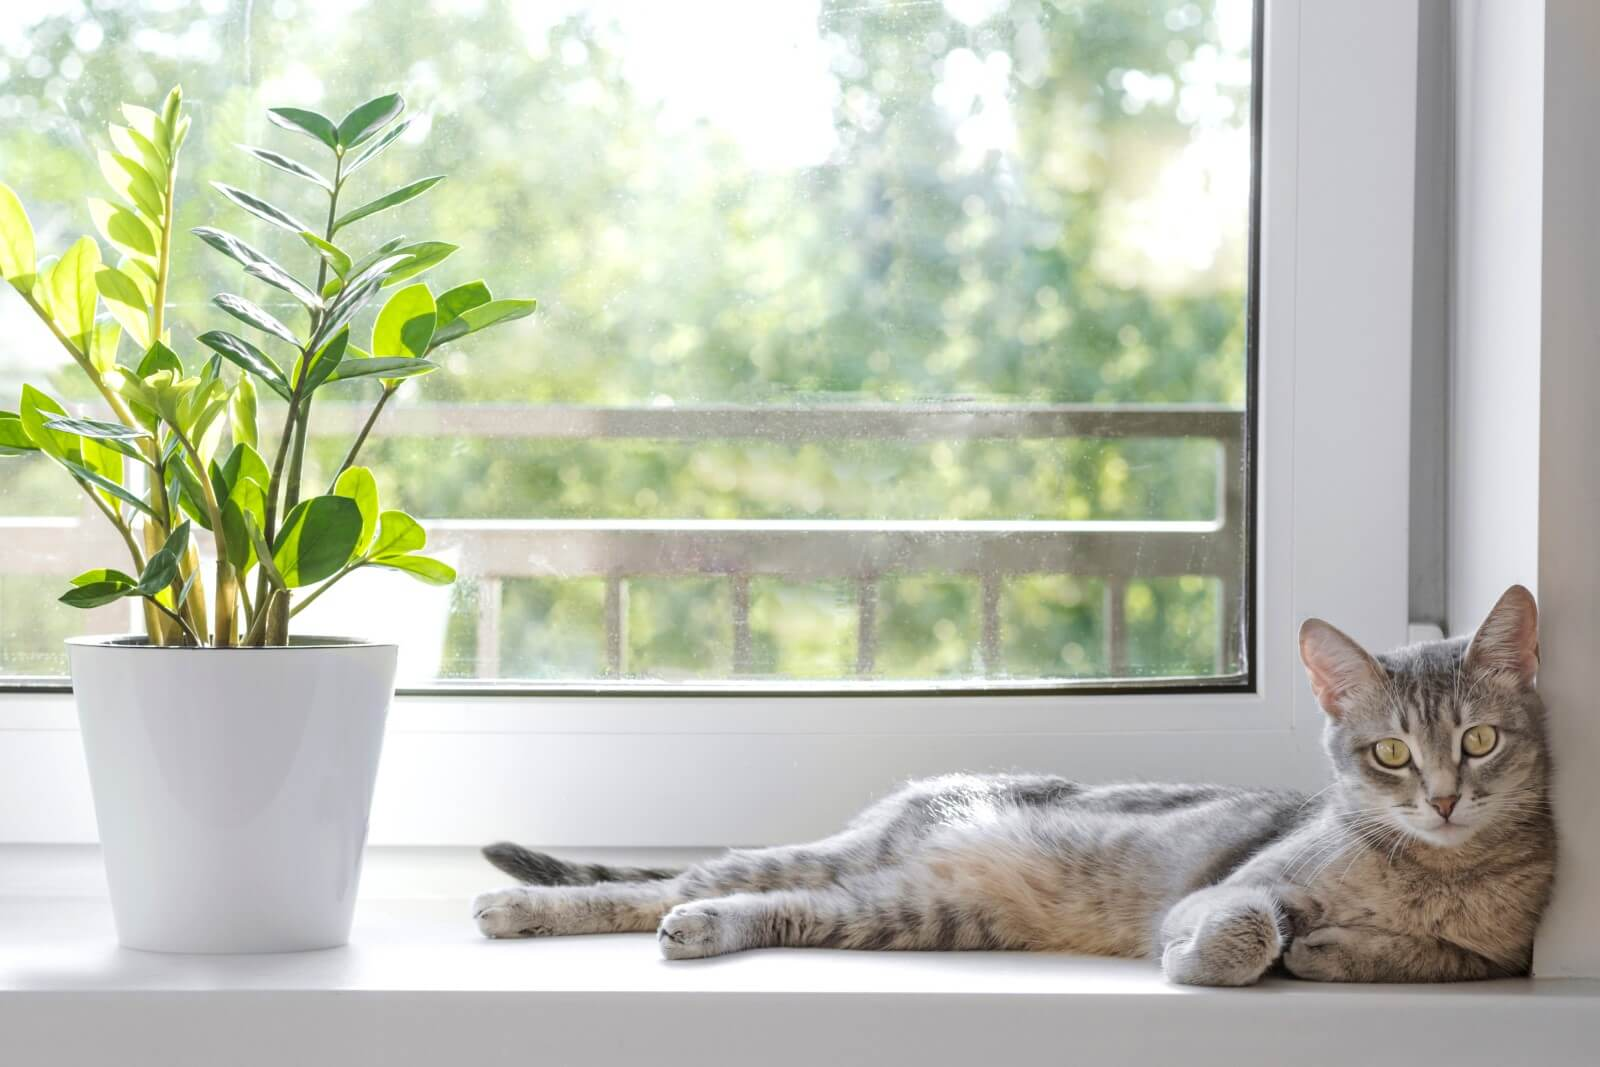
{"x":1332,"y":499}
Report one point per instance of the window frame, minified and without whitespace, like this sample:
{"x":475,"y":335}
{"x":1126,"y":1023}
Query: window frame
{"x":1335,"y":200}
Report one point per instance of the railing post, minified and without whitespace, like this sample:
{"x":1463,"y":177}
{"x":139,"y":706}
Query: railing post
{"x":743,"y":657}
{"x":616,"y":623}
{"x":489,"y":601}
{"x":866,"y":625}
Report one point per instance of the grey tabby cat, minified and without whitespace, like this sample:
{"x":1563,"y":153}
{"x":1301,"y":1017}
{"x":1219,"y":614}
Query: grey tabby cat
{"x":1429,"y":857}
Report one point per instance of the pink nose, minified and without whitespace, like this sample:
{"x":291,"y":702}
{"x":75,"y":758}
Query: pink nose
{"x":1443,"y":805}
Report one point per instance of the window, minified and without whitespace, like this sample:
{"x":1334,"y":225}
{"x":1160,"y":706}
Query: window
{"x":890,"y":344}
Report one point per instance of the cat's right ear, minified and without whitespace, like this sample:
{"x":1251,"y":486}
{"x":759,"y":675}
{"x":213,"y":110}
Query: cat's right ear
{"x":1340,"y":670}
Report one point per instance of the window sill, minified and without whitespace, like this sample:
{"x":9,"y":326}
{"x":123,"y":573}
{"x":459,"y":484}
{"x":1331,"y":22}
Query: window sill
{"x":417,"y":985}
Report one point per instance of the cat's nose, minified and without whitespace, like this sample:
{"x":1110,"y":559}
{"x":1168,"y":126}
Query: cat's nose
{"x":1443,"y":805}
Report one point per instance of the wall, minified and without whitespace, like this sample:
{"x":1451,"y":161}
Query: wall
{"x":1494,"y":381}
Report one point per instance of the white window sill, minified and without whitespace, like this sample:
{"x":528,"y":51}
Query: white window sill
{"x":418,"y":985}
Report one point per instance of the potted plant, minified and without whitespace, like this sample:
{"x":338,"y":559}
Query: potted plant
{"x":232,"y":763}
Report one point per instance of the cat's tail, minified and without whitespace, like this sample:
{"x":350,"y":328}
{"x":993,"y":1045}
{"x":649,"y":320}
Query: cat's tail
{"x":538,"y":868}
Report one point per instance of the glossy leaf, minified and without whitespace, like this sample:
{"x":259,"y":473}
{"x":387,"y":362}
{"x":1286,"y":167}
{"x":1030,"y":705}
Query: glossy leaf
{"x":123,"y":228}
{"x":230,"y":246}
{"x":242,"y":411}
{"x":309,"y":123}
{"x":149,"y":125}
{"x":455,"y":302}
{"x":104,"y":574}
{"x":390,"y":136}
{"x":16,"y":241}
{"x":126,"y":301}
{"x":258,"y":542}
{"x":14,"y":439}
{"x":420,"y":257}
{"x":429,"y":570}
{"x":405,"y":325}
{"x":73,"y":295}
{"x":96,"y":594}
{"x":247,"y":499}
{"x":398,"y":534}
{"x":388,"y":367}
{"x":162,"y":569}
{"x":244,"y":464}
{"x":368,"y":119}
{"x":103,"y":342}
{"x":242,"y":353}
{"x":253,"y":315}
{"x":100,"y":481}
{"x":359,"y":485}
{"x":35,"y":409}
{"x":260,"y":208}
{"x":326,"y":361}
{"x":279,"y":278}
{"x":335,"y":256}
{"x":388,"y":200}
{"x":387,"y":250}
{"x":158,"y":357}
{"x":318,"y":537}
{"x":105,"y":431}
{"x":135,"y":145}
{"x":130,"y":181}
{"x":290,"y":166}
{"x":482,"y":317}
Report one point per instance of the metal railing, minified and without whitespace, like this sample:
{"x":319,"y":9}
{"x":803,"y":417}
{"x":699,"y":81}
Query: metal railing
{"x":861,"y":552}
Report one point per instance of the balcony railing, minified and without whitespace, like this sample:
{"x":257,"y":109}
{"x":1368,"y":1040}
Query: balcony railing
{"x":861,"y":552}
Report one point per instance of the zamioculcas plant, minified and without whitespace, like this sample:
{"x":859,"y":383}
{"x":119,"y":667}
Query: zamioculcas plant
{"x":180,"y":446}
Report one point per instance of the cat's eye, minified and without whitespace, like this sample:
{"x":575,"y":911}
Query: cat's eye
{"x":1392,"y":753}
{"x":1480,"y":740}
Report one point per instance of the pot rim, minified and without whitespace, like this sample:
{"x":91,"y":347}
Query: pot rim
{"x":301,"y":643}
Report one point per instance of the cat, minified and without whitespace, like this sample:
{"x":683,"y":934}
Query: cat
{"x":1428,"y":858}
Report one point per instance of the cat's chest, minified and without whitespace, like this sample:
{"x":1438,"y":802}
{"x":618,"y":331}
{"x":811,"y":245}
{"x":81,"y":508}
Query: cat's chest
{"x":1468,"y":908}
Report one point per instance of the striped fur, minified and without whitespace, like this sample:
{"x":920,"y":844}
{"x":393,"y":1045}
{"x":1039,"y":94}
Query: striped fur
{"x":1361,"y":882}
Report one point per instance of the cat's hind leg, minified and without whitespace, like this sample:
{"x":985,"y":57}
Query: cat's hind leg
{"x":878,"y":914}
{"x":550,"y":911}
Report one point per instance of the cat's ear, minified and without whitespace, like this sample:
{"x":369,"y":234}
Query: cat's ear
{"x":1340,"y":670}
{"x":1507,"y":642}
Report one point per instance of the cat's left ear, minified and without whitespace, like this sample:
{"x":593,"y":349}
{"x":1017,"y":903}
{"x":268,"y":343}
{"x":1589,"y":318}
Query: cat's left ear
{"x":1507,"y":643}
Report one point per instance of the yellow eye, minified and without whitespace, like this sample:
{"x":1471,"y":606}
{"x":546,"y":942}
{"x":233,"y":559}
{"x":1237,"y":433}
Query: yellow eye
{"x":1480,"y":740}
{"x":1392,"y":752}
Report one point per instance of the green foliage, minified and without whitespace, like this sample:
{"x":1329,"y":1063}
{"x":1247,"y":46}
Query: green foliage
{"x":170,"y":421}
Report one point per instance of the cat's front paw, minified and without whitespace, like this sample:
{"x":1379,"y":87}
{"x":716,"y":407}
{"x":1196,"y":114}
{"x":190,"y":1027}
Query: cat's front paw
{"x":1229,"y":948}
{"x":504,"y":913}
{"x":1320,"y":955}
{"x":693,"y":931}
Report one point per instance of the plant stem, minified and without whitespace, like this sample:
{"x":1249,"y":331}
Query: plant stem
{"x":323,"y":588}
{"x":179,"y":619}
{"x":158,"y":309}
{"x":223,"y":612}
{"x":361,"y":438}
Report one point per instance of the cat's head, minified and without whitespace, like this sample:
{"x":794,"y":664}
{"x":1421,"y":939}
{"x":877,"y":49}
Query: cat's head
{"x":1443,"y":739}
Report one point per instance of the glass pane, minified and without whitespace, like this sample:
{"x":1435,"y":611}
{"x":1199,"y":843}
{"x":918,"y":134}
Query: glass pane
{"x":900,"y":344}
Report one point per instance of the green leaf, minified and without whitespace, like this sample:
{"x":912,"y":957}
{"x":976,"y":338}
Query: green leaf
{"x":103,"y":344}
{"x":277,"y":277}
{"x":35,"y":409}
{"x":454,"y":302}
{"x":482,"y":317}
{"x":100,"y":481}
{"x":170,"y":108}
{"x":359,"y":485}
{"x":370,"y":152}
{"x":242,"y":353}
{"x":318,"y":537}
{"x":72,"y":291}
{"x":337,"y":259}
{"x":326,"y":361}
{"x":429,"y":570}
{"x":244,"y":464}
{"x":398,"y":533}
{"x":158,"y":357}
{"x":247,"y":499}
{"x":290,"y":166}
{"x":263,"y":551}
{"x":187,"y":491}
{"x":104,"y":574}
{"x":242,"y":411}
{"x":388,"y":200}
{"x":421,"y":257}
{"x":131,"y":182}
{"x":387,"y":250}
{"x":16,"y":242}
{"x":405,"y":325}
{"x":14,"y":439}
{"x":122,"y":228}
{"x":162,"y":569}
{"x":126,"y":302}
{"x":96,"y":594}
{"x":104,"y":431}
{"x":253,"y":315}
{"x":148,"y":125}
{"x":368,"y":119}
{"x":387,"y":367}
{"x":309,"y":123}
{"x":230,"y":246}
{"x":260,"y":208}
{"x":135,"y":145}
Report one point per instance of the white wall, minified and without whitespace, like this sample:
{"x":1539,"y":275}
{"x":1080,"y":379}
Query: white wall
{"x":1494,"y":418}
{"x":1569,"y":475}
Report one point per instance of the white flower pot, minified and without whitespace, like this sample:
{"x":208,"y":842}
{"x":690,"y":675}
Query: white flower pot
{"x":232,"y":787}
